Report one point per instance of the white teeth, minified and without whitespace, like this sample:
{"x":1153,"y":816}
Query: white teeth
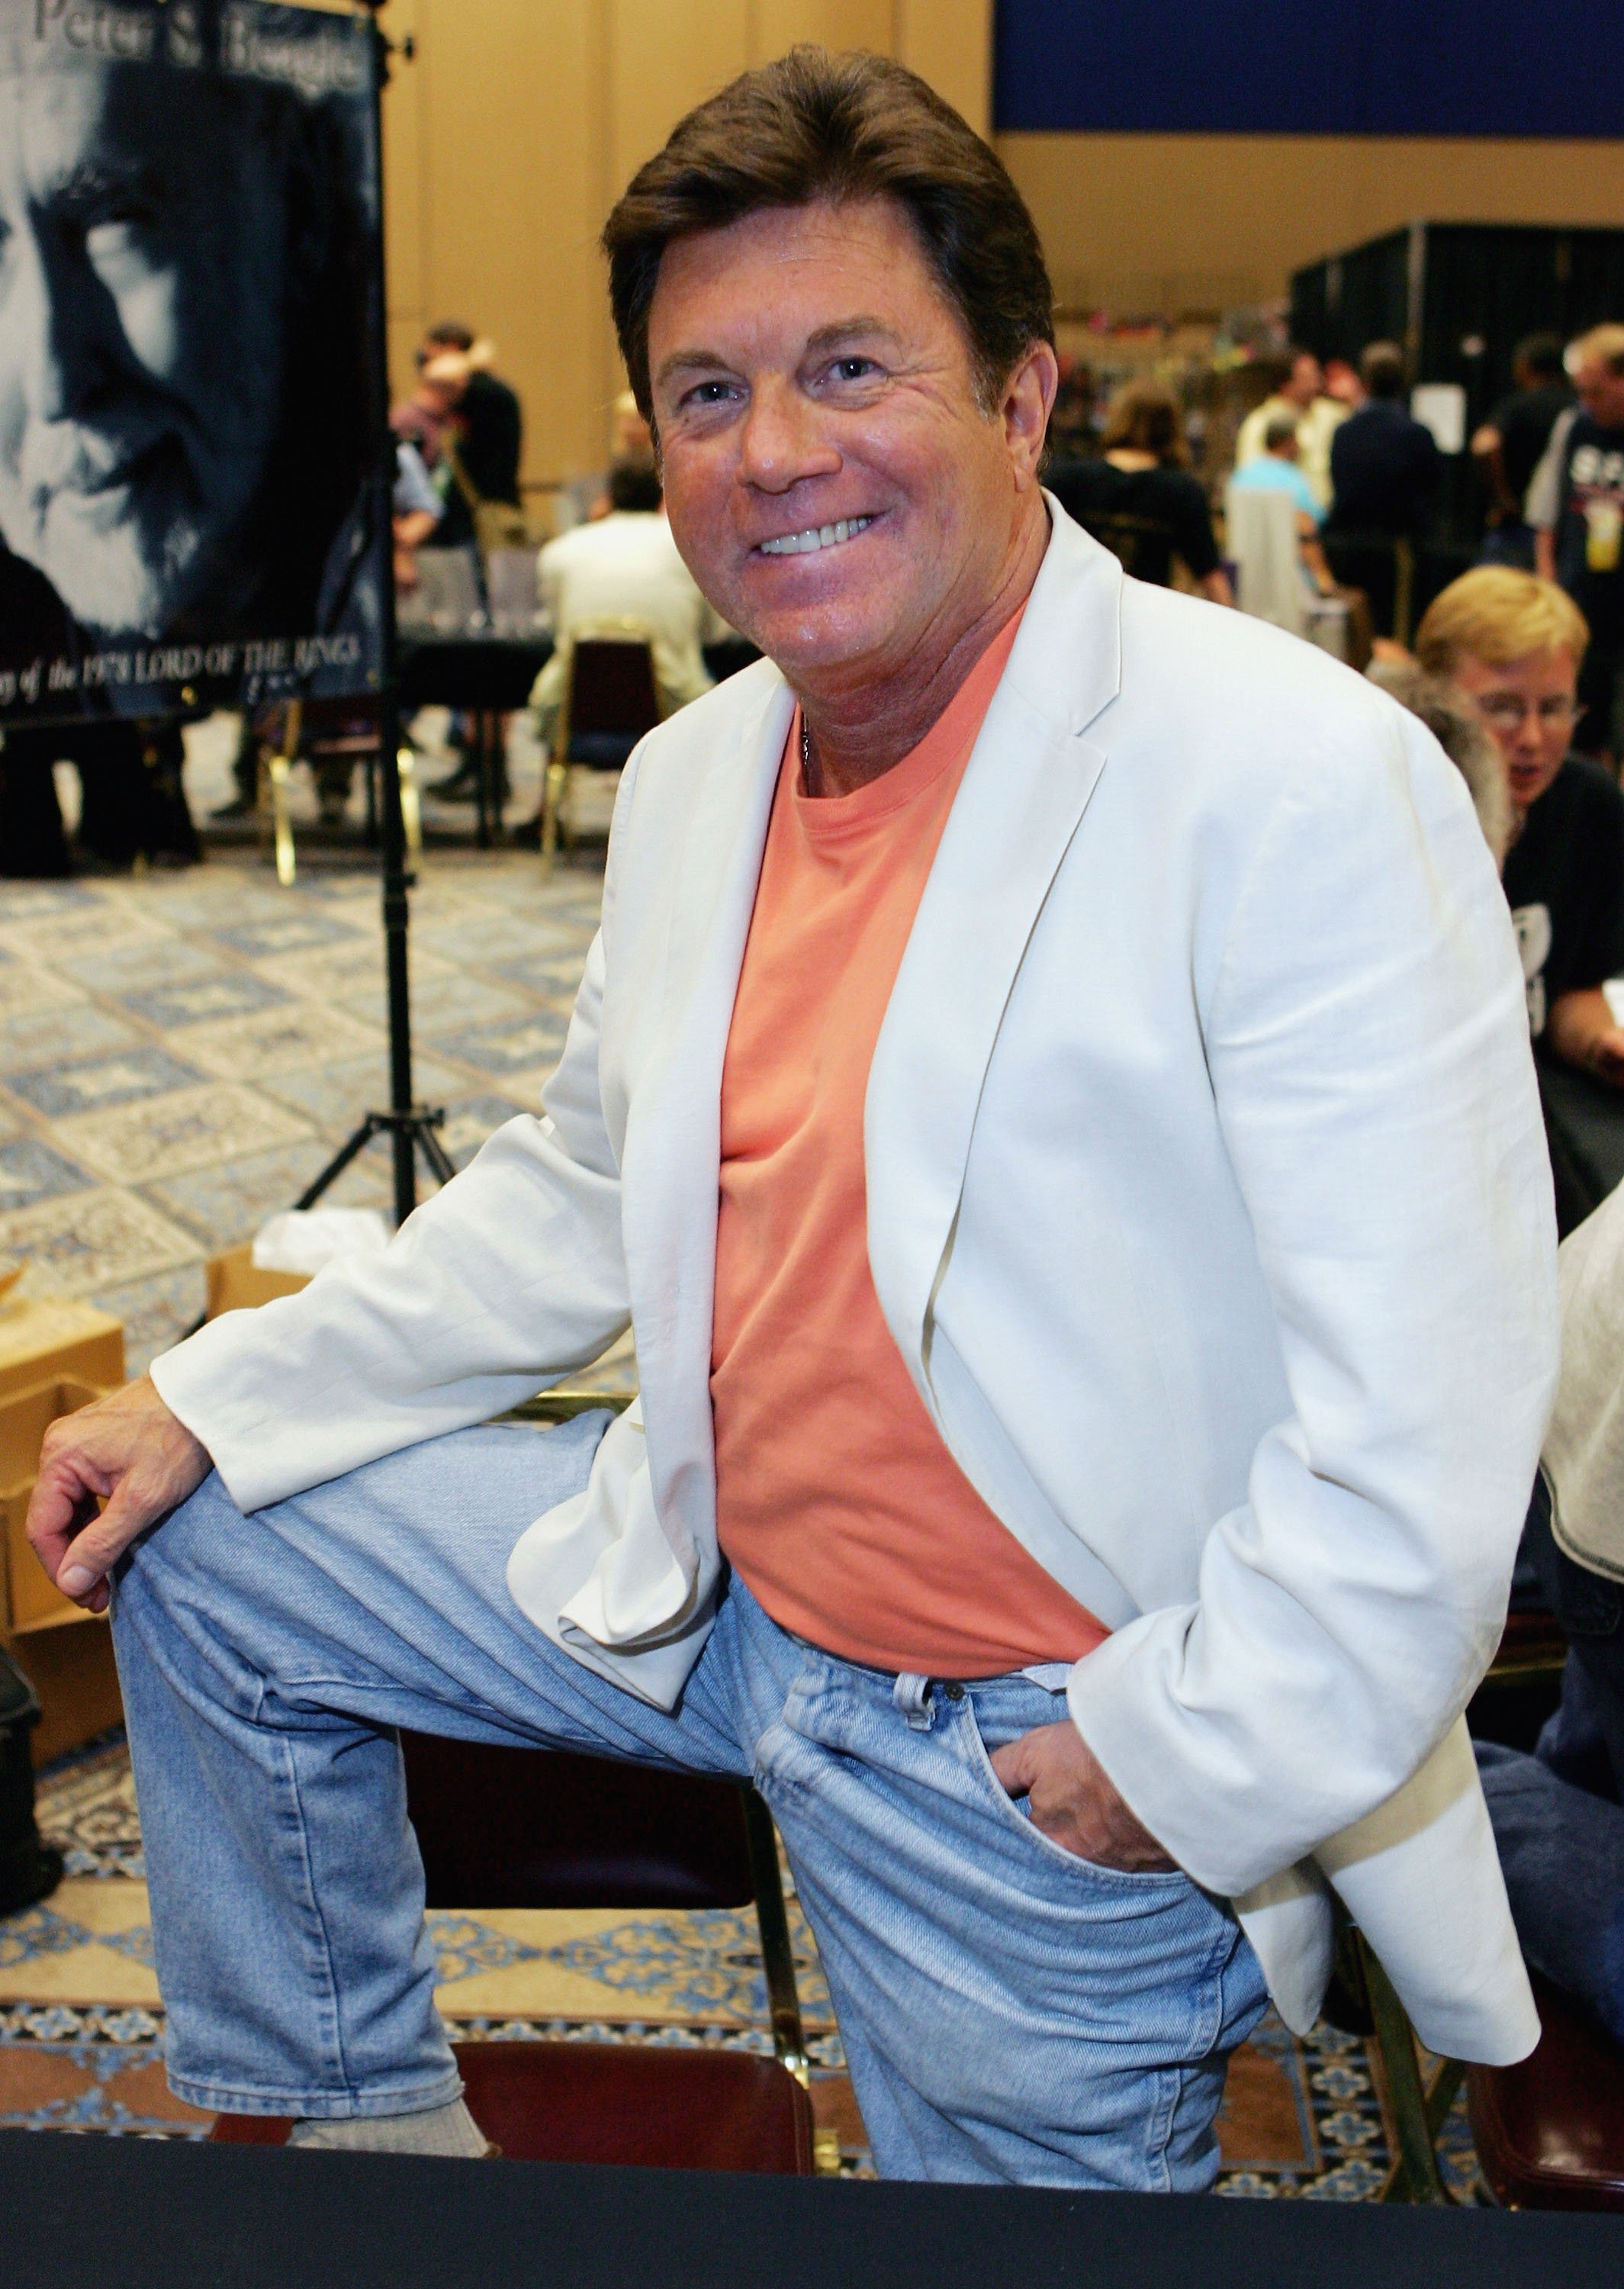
{"x":815,"y":537}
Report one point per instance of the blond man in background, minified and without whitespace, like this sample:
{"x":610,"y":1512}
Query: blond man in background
{"x":1516,"y":645}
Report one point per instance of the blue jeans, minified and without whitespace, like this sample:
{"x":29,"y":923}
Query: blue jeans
{"x":1009,"y":2012}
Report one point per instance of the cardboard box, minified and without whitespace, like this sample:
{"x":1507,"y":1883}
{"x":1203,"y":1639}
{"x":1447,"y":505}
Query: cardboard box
{"x":75,"y":1675}
{"x":67,"y":1652}
{"x":237,"y":1284}
{"x":28,"y":1599}
{"x":43,"y":1336}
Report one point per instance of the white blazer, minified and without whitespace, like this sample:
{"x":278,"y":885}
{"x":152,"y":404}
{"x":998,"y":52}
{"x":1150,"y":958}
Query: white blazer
{"x":1207,"y":1203}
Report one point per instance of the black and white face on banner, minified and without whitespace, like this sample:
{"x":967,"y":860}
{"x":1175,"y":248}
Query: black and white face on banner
{"x":188,"y":208}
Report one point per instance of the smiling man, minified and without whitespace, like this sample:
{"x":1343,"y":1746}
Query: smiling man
{"x":1052,"y":1096}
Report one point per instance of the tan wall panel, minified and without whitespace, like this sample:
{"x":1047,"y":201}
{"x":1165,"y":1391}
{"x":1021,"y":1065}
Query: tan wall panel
{"x":778,"y":24}
{"x":510,"y":135}
{"x":1147,"y":222}
{"x":664,"y":57}
{"x":950,"y":43}
{"x":494,"y":122}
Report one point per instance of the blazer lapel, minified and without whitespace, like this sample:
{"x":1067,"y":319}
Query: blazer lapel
{"x":674,"y":1131}
{"x":1024,"y":791}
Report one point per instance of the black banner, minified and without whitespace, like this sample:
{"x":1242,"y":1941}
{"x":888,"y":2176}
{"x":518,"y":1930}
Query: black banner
{"x":189,"y":342}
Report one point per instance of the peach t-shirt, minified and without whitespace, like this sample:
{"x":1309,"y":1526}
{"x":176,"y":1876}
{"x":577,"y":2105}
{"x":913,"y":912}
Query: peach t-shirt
{"x":837,"y":1502}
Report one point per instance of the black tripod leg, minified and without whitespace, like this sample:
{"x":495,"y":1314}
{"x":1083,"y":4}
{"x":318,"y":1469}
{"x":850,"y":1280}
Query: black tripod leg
{"x":340,"y":1162}
{"x":434,"y":1152}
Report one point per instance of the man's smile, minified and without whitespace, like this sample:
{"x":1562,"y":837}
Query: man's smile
{"x":814,"y":537}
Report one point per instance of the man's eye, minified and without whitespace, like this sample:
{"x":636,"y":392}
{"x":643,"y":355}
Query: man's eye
{"x":709,"y":393}
{"x":854,"y":368}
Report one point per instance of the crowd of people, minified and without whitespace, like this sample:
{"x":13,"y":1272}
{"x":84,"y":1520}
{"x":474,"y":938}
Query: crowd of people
{"x":1366,"y":479}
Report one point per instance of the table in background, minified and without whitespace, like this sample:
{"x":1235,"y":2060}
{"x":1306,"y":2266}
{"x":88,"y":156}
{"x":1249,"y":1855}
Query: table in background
{"x":486,"y":674}
{"x":97,"y":2212}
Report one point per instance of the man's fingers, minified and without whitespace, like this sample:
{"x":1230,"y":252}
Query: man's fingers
{"x":128,"y":1450}
{"x":63,"y":1502}
{"x":1012,"y":1764}
{"x":85,"y":1561}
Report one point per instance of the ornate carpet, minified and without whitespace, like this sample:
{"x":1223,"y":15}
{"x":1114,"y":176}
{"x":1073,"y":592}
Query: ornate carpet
{"x":180,"y":1053}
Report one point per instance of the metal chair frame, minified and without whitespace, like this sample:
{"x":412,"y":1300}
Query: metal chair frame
{"x":1415,"y":2106}
{"x":555,"y":791}
{"x":276,"y":759}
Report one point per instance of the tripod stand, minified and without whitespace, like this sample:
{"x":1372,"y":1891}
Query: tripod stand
{"x":410,"y":1125}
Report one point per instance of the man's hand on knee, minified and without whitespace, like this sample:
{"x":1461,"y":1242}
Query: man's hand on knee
{"x":128,"y":1452}
{"x":1073,"y":1801}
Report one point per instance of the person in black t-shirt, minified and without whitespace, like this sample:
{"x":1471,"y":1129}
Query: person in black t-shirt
{"x":489,"y":416}
{"x":1140,"y":499}
{"x":1576,"y":507}
{"x":1514,"y":644}
{"x":1512,"y":443}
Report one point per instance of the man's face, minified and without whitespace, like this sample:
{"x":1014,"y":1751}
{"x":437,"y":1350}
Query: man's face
{"x":1601,"y":393}
{"x":141,"y":275}
{"x":834,"y":486}
{"x":1304,"y":383}
{"x":1529,"y":709}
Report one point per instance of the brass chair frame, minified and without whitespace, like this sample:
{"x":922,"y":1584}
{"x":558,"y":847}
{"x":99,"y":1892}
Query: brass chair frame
{"x":276,"y":758}
{"x":1415,"y":2105}
{"x":555,"y":789}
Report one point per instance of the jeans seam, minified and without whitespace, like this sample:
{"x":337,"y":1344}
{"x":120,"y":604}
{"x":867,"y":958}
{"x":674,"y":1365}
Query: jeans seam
{"x":1164,"y":2114}
{"x":313,"y":1902}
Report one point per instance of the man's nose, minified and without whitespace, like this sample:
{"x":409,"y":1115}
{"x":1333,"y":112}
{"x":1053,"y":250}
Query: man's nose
{"x":1529,"y":737}
{"x":784,"y":439}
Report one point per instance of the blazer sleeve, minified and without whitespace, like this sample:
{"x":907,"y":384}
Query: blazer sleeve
{"x":511,"y":1278}
{"x":1369,"y":1057}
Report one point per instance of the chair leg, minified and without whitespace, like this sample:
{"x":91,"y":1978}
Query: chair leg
{"x":411,"y":809}
{"x":777,"y":1958}
{"x":552,"y":794}
{"x":276,"y":767}
{"x":1414,"y":2115}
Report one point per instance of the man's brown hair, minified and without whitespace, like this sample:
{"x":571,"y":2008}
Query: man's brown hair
{"x":1144,"y":418}
{"x":1382,"y":369}
{"x":817,"y":127}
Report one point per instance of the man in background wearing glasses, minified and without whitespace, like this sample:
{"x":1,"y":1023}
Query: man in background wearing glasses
{"x":1516,"y":645}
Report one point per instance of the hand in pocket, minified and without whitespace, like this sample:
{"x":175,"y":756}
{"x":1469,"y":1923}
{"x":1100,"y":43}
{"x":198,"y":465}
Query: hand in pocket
{"x":1072,"y":1801}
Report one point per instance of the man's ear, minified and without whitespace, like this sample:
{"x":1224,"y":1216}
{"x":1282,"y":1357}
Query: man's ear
{"x":1028,"y":401}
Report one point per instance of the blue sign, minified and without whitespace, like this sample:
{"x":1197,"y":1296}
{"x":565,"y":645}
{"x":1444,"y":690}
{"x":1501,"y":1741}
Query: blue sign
{"x":1309,"y":68}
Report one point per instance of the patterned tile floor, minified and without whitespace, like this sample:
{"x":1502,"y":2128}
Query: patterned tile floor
{"x":179,"y":1053}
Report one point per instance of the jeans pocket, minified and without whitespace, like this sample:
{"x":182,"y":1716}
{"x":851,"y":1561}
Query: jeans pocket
{"x":1017,"y":1814}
